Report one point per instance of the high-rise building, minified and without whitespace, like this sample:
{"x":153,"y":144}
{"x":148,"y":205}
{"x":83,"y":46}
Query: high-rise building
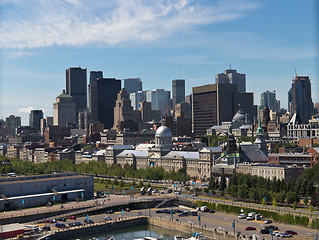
{"x":299,"y":97}
{"x":132,"y":85}
{"x":34,"y":119}
{"x":76,"y":87}
{"x":269,"y":98}
{"x":123,"y":112}
{"x":160,"y":100}
{"x":94,"y":75}
{"x":136,"y":98}
{"x":45,"y":122}
{"x":178,"y":91}
{"x":64,"y":110}
{"x":217,"y":103}
{"x":233,"y":77}
{"x":103,"y":97}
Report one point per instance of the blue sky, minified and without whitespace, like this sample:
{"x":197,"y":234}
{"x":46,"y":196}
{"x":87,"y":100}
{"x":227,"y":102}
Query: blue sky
{"x":265,"y":39}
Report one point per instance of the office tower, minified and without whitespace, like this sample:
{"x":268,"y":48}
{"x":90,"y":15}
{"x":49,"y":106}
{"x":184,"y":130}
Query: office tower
{"x":217,"y":103}
{"x":12,"y":123}
{"x":183,"y":109}
{"x":94,"y":75}
{"x":160,"y":100}
{"x":147,"y":114}
{"x":178,"y":91}
{"x":299,"y":97}
{"x":45,"y":122}
{"x":103,"y":95}
{"x":132,"y":85}
{"x":231,"y":76}
{"x":76,"y":87}
{"x":123,"y":112}
{"x":269,"y":98}
{"x":64,"y":110}
{"x":34,"y":119}
{"x":136,"y":98}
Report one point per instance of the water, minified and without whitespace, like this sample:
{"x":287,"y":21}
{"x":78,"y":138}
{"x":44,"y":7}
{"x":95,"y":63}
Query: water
{"x":136,"y":232}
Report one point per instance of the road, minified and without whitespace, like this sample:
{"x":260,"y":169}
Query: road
{"x":213,"y":220}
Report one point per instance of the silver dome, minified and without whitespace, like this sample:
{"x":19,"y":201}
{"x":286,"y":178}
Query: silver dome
{"x":163,"y":131}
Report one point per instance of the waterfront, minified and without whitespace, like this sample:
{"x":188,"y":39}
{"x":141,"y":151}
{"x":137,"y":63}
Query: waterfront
{"x":135,"y":232}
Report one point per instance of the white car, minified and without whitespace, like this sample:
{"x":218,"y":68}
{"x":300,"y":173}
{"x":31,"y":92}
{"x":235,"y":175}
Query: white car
{"x":242,"y":216}
{"x":267,"y":221}
{"x":107,"y":218}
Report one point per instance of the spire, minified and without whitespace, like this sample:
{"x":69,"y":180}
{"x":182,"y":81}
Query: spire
{"x":260,"y":130}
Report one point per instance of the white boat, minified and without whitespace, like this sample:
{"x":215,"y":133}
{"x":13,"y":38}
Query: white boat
{"x":178,"y":237}
{"x":197,"y":236}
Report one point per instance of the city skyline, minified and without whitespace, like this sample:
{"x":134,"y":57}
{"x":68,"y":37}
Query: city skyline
{"x":157,"y":42}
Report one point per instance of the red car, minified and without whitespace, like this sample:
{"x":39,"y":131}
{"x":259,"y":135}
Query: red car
{"x":250,"y":228}
{"x":51,"y":221}
{"x":291,"y":232}
{"x":72,"y":217}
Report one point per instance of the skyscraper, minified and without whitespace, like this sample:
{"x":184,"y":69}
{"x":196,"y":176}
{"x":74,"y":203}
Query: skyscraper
{"x":178,"y":91}
{"x":160,"y":99}
{"x":216,"y":103}
{"x":299,"y":97}
{"x":94,"y":75}
{"x":269,"y":98}
{"x":132,"y":85}
{"x":64,"y":110}
{"x":76,"y":87}
{"x":34,"y":119}
{"x":231,"y":76}
{"x":136,"y":98}
{"x":103,"y":97}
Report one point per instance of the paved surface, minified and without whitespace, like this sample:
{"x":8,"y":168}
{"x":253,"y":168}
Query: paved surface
{"x":213,"y":220}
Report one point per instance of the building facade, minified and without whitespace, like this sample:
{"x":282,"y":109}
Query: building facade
{"x":64,"y":110}
{"x":35,"y":118}
{"x":178,"y":91}
{"x":103,"y":97}
{"x":76,"y":87}
{"x":160,"y":100}
{"x":231,"y":76}
{"x":269,"y":99}
{"x":132,"y":85}
{"x":299,"y":99}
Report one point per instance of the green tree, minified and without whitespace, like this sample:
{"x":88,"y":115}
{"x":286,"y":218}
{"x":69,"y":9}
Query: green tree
{"x":264,"y":202}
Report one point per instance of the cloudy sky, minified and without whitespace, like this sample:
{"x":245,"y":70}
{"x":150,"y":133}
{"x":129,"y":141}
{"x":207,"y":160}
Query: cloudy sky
{"x":158,"y":41}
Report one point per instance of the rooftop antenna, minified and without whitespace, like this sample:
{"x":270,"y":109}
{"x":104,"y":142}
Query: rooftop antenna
{"x":229,"y":66}
{"x":296,"y":72}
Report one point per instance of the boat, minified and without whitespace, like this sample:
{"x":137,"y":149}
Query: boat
{"x":109,"y":238}
{"x":197,"y":236}
{"x":178,"y":237}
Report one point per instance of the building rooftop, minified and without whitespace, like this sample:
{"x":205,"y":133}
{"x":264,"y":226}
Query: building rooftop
{"x":184,"y":154}
{"x":136,"y":153}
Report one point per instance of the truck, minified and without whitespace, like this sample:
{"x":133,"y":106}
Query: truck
{"x":251,"y":216}
{"x":204,"y":209}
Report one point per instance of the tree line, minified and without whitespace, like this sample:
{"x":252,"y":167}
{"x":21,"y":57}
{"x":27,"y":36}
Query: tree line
{"x":96,"y":168}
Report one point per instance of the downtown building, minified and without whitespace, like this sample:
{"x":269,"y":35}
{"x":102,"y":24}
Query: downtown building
{"x":178,"y":91}
{"x":76,"y":87}
{"x":160,"y":100}
{"x":216,"y":103}
{"x":64,"y":110}
{"x":299,"y":99}
{"x":269,"y":98}
{"x":103,"y":95}
{"x":35,"y":118}
{"x":132,"y":85}
{"x":233,"y":77}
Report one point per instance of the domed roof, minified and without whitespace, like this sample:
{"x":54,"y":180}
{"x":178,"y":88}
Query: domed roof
{"x":239,"y":116}
{"x":163,"y":131}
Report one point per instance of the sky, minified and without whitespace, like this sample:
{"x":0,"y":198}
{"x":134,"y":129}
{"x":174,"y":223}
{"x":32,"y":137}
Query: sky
{"x":161,"y":40}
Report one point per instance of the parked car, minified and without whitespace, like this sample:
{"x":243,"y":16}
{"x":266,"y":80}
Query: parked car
{"x":250,"y":228}
{"x":109,"y":211}
{"x":60,"y":225}
{"x":183,"y":214}
{"x":88,"y":221}
{"x":193,"y":213}
{"x":272,"y":227}
{"x":242,"y":216}
{"x":51,"y":221}
{"x":194,"y":194}
{"x":107,"y":218}
{"x":291,"y":232}
{"x":72,"y":217}
{"x":46,"y":228}
{"x":159,"y":211}
{"x":250,"y":218}
{"x":61,"y":219}
{"x":285,"y":235}
{"x":72,"y":224}
{"x":179,"y":211}
{"x":78,"y":224}
{"x":264,"y":231}
{"x":211,"y":211}
{"x":267,"y":221}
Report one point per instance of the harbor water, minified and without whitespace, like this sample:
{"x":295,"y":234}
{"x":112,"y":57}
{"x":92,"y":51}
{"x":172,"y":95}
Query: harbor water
{"x":134,"y":233}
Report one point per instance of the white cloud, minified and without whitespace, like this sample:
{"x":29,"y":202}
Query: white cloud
{"x":33,"y":24}
{"x":26,"y":109}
